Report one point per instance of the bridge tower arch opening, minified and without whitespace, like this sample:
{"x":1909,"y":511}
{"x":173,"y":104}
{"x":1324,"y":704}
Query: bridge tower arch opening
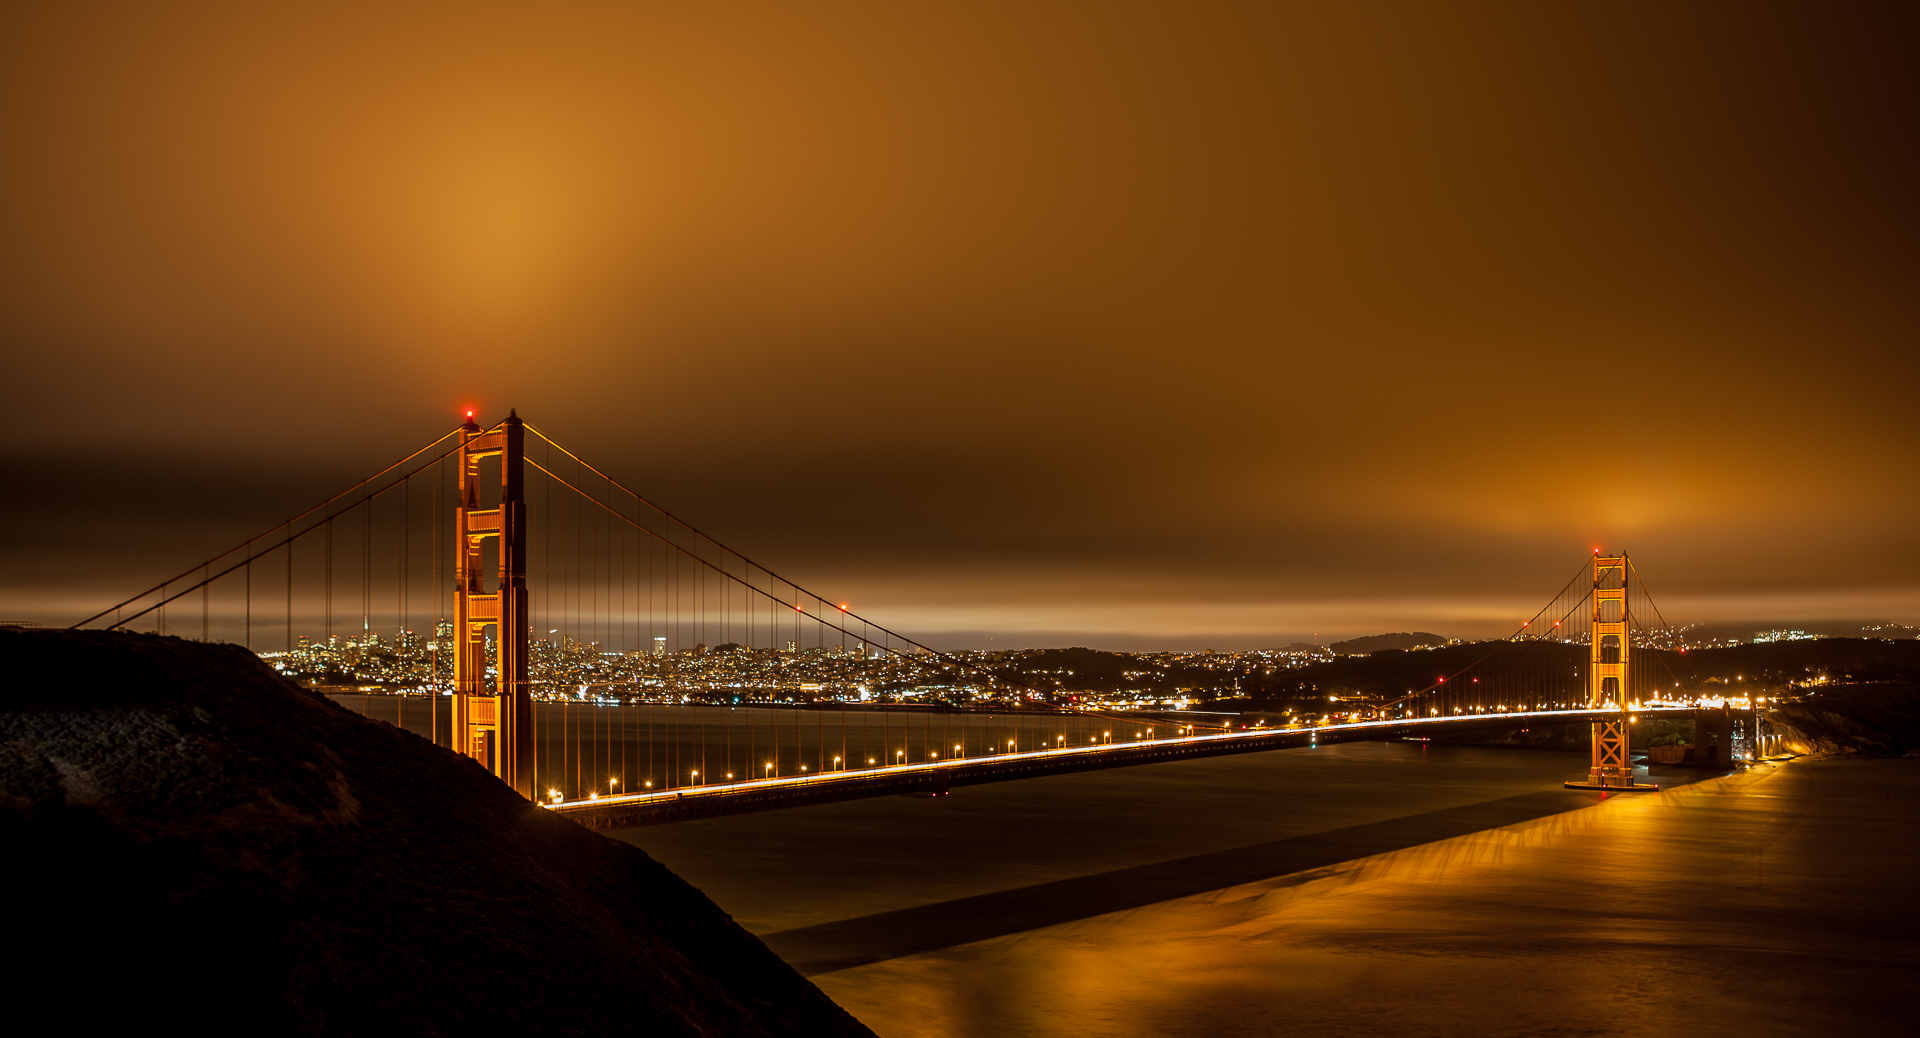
{"x":492,"y":706}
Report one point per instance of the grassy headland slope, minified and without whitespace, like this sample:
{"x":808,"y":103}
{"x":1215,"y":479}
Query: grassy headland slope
{"x":192,"y":840}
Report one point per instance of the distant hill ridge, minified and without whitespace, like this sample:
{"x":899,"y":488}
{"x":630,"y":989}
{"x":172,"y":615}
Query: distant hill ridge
{"x":1388,"y":675}
{"x":1377,"y":642}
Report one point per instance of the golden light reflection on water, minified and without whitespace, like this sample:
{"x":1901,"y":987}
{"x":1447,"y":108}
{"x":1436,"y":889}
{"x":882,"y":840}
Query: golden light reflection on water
{"x":1593,"y":921}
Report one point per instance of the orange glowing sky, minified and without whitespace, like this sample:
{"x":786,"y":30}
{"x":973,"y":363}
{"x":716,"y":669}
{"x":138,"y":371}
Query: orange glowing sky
{"x":1116,"y":323}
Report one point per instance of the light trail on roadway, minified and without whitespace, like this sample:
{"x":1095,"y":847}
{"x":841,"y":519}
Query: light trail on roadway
{"x":1115,"y":748}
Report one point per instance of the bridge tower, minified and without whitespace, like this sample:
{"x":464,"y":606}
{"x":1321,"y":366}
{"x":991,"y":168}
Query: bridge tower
{"x":492,"y":721}
{"x":1607,"y":677}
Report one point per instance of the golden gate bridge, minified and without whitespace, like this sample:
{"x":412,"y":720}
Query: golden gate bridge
{"x":678,"y":678}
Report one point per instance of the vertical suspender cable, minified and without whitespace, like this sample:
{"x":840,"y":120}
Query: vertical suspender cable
{"x":433,"y":608}
{"x":327,"y":583}
{"x":366,"y":573}
{"x":289,"y":645}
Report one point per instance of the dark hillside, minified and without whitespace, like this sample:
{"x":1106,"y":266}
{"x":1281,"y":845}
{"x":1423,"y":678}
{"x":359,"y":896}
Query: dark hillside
{"x":1078,"y":668}
{"x":1841,"y":659}
{"x":1391,"y":673}
{"x":193,"y":842}
{"x":1377,"y":642}
{"x":1877,"y":718}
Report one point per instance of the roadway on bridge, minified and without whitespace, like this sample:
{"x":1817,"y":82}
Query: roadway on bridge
{"x":940,"y":772}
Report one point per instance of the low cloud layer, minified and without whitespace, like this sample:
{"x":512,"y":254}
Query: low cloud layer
{"x":1222,"y":323}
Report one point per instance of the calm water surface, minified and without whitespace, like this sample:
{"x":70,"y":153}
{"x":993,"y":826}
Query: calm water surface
{"x":1374,"y":888}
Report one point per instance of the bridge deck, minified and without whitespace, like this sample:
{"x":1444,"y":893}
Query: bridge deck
{"x":631,"y":811}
